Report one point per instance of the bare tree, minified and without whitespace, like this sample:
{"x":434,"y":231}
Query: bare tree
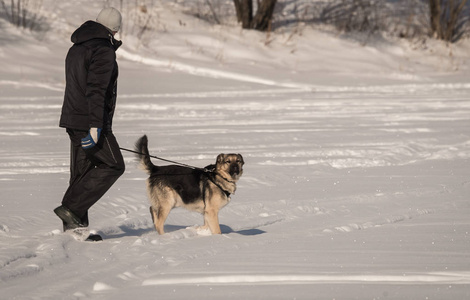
{"x":263,"y":17}
{"x":445,"y":18}
{"x":23,"y":13}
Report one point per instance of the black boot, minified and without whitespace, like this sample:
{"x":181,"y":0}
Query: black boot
{"x":94,"y":238}
{"x":78,"y":227}
{"x":70,"y":220}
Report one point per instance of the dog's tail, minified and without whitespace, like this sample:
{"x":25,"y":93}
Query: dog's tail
{"x":141,"y":146}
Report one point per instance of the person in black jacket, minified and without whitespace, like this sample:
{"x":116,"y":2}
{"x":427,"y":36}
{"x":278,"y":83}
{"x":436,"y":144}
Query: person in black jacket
{"x":96,"y":161}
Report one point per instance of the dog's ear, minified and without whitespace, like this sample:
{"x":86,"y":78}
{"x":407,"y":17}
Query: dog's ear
{"x":220,"y":158}
{"x":240,"y":157}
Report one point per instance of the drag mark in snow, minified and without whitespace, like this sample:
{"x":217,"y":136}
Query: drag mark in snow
{"x":212,"y":73}
{"x":282,"y":132}
{"x":394,"y":89}
{"x":213,"y":94}
{"x":20,"y":84}
{"x":18,"y":133}
{"x":389,"y":220}
{"x":206,"y":72}
{"x":425,"y":278}
{"x":18,"y":263}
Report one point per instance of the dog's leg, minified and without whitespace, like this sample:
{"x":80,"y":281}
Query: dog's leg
{"x":154,"y":215}
{"x":162,"y":214}
{"x":211,"y":219}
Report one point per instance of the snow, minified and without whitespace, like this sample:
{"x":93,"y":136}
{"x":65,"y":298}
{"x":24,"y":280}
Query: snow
{"x":356,"y":181}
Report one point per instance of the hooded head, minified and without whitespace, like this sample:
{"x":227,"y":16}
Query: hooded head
{"x":110,"y":18}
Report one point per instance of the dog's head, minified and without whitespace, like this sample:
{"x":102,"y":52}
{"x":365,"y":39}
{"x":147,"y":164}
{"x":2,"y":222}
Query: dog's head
{"x":230,"y":166}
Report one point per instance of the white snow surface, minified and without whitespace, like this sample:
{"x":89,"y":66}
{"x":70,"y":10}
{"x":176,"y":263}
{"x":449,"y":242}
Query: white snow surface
{"x":356,"y":182}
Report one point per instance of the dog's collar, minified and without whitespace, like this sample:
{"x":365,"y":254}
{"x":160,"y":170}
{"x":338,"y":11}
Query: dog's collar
{"x":227,"y":193}
{"x":232,"y":182}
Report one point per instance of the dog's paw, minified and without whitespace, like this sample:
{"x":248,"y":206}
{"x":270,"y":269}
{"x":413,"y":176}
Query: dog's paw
{"x":201,"y":230}
{"x":204,"y":231}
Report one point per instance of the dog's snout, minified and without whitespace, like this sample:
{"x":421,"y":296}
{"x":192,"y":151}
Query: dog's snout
{"x":235,"y":169}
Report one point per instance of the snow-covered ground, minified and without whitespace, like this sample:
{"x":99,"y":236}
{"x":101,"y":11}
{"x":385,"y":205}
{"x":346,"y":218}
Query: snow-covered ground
{"x":357,"y":166}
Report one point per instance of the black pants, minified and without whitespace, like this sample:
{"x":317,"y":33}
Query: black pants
{"x":92,"y":172}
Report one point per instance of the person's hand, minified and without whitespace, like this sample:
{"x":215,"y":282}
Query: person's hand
{"x":92,"y":138}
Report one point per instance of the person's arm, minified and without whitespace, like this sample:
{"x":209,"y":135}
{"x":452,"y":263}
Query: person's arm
{"x":98,"y":80}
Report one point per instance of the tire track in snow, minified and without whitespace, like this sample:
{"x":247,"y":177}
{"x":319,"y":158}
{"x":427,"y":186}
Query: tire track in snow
{"x":440,"y":278}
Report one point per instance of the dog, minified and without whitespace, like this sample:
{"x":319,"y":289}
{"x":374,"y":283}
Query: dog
{"x":202,"y":190}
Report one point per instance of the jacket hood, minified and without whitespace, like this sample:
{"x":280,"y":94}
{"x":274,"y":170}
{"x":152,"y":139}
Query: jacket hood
{"x":93,"y":30}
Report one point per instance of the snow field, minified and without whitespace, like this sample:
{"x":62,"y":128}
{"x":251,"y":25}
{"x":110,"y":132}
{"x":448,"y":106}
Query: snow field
{"x":312,"y":174}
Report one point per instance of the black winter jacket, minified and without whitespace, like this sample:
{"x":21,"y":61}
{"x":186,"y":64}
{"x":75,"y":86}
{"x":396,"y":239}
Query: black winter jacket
{"x":91,"y":73}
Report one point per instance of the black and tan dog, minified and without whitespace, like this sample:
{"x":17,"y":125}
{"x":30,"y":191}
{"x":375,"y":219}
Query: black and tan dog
{"x":203,"y":190}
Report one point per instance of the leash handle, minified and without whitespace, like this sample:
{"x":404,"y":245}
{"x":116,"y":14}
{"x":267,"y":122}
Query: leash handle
{"x":167,"y":160}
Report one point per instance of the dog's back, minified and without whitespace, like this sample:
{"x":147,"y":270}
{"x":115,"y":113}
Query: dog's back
{"x":183,"y":180}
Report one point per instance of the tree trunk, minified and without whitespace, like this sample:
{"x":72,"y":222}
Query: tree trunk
{"x":264,"y":15}
{"x":238,"y":9}
{"x":18,"y":13}
{"x":244,"y":10}
{"x":435,"y":10}
{"x":13,"y":21}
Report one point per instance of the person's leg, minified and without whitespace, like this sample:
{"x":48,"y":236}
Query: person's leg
{"x":79,"y":166}
{"x":79,"y":162}
{"x":95,"y":171}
